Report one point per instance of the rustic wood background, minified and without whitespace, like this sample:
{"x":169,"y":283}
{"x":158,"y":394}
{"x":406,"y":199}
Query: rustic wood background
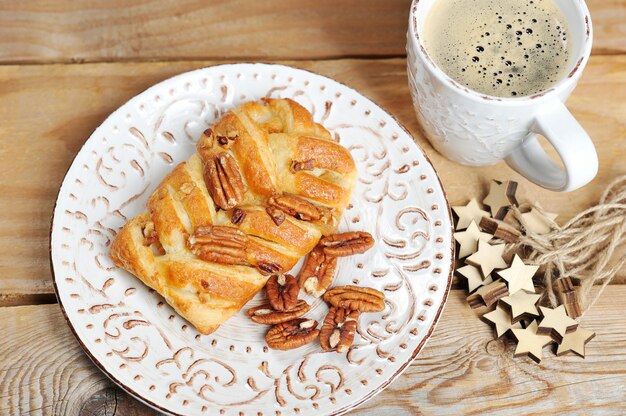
{"x":65,"y":65}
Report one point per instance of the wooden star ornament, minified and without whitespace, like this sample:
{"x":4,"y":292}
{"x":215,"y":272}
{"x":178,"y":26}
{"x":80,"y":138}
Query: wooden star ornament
{"x":529,"y":342}
{"x":537,"y":222}
{"x":519,"y":276}
{"x":474,"y":277}
{"x":556,"y":323}
{"x":487,"y":295}
{"x":467,"y":213}
{"x":500,"y":229}
{"x":468,"y":239}
{"x":501,"y":197}
{"x":575,"y":342}
{"x":488,"y":257}
{"x":502,"y":321}
{"x":521,"y":304}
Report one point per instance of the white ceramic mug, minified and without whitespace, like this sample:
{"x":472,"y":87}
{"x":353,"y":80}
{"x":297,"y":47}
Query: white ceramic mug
{"x":475,"y":129}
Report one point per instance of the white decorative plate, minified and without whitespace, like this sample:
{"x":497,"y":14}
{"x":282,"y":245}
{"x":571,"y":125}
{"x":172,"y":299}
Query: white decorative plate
{"x":132,"y":335}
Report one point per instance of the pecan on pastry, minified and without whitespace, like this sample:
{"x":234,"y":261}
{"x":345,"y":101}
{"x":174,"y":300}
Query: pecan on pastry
{"x":282,"y":292}
{"x":295,"y":206}
{"x":219,"y":244}
{"x":149,"y":234}
{"x":238,"y":216}
{"x":362,"y":299}
{"x":338,"y":329}
{"x":292,"y":334}
{"x":276,"y":214}
{"x":347,"y":244}
{"x":303,"y":165}
{"x":223,"y":180}
{"x":265,"y":314}
{"x":318,"y":272}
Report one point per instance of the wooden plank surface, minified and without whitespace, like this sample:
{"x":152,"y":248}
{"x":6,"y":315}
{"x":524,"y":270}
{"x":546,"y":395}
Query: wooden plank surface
{"x":70,"y":30}
{"x":462,"y":370}
{"x":88,"y":30}
{"x":48,"y":111}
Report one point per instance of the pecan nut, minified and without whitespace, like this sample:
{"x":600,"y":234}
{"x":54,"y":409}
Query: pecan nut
{"x":267,"y":267}
{"x":292,"y":334}
{"x":347,"y":244}
{"x":226,"y":139}
{"x":318,"y":272}
{"x":362,"y":299}
{"x":238,"y":216}
{"x":282,"y":292}
{"x":295,"y":206}
{"x":338,"y":329}
{"x":219,"y":244}
{"x":265,"y":314}
{"x":149,"y":234}
{"x":277,"y":215}
{"x":223,"y":179}
{"x":302,"y":165}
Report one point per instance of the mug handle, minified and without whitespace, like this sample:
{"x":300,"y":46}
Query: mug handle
{"x":571,"y":142}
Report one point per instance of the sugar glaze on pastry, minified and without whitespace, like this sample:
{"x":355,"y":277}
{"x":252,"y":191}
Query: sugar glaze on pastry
{"x":265,"y":184}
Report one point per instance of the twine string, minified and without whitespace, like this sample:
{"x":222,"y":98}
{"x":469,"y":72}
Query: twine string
{"x":590,"y":248}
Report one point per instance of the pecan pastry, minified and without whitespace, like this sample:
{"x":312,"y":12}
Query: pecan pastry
{"x":362,"y":299}
{"x":292,"y":334}
{"x":265,"y":184}
{"x":338,"y":329}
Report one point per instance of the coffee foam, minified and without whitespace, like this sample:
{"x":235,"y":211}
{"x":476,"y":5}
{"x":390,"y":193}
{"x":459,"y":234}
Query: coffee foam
{"x":506,"y":48}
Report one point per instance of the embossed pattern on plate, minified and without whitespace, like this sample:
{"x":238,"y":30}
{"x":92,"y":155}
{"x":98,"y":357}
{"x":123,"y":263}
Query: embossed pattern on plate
{"x":131,"y":333}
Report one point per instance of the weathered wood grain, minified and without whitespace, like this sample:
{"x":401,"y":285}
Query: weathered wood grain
{"x":87,"y":30}
{"x":68,"y":30}
{"x":48,"y":111}
{"x":462,"y":370}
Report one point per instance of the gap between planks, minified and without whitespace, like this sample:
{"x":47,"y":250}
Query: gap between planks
{"x":219,"y":60}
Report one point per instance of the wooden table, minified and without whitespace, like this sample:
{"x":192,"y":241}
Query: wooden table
{"x":66,"y":65}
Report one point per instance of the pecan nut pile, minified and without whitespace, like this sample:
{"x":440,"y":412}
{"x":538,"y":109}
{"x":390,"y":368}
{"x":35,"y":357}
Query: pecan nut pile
{"x":223,"y":179}
{"x":282,"y":292}
{"x":338,"y":329}
{"x":318,"y":272}
{"x":295,"y":206}
{"x":219,"y":244}
{"x":362,"y":299}
{"x":265,"y":314}
{"x":292,"y":334}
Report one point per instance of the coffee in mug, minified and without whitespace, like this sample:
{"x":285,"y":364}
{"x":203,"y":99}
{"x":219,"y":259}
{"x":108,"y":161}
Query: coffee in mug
{"x":505,"y":48}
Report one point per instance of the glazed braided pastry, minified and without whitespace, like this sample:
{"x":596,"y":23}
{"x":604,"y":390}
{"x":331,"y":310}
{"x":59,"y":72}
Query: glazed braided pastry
{"x":265,"y":184}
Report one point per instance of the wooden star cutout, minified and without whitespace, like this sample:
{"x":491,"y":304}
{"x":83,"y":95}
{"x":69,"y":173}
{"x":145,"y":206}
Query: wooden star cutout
{"x":556,"y":323}
{"x":467,"y":213}
{"x":502,"y":320}
{"x":468,"y":239}
{"x":488,"y":295}
{"x":575,"y":342}
{"x":500,"y":229}
{"x":522,"y":305}
{"x":501,"y":197}
{"x":474,"y":277}
{"x":529,"y":342}
{"x":537,"y":222}
{"x":488,"y":257}
{"x":519,"y":276}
